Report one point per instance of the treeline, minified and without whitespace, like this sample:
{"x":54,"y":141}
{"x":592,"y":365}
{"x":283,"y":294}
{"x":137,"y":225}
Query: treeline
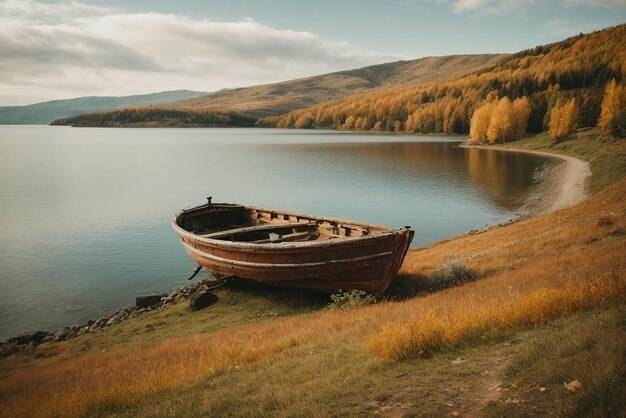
{"x":157,"y":116}
{"x":539,"y":80}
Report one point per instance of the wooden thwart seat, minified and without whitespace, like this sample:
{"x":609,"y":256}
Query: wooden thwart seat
{"x":296,"y":236}
{"x":257,"y":228}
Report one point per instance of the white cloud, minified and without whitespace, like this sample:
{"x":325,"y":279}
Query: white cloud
{"x":32,"y":8}
{"x":503,"y":7}
{"x":70,"y":49}
{"x":468,"y":5}
{"x":495,"y":7}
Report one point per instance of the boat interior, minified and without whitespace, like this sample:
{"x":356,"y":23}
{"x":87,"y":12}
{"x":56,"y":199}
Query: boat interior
{"x":238,"y":223}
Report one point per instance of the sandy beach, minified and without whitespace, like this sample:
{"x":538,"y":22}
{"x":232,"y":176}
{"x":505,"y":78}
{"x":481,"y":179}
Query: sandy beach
{"x":563,"y":186}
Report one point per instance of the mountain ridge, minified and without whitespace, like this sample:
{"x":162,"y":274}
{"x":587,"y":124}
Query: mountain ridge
{"x":45,"y":112}
{"x":282,"y":97}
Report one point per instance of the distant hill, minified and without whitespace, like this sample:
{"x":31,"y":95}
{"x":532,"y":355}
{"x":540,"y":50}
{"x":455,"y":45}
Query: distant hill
{"x":46,"y":112}
{"x":279,"y":98}
{"x":576,"y":68}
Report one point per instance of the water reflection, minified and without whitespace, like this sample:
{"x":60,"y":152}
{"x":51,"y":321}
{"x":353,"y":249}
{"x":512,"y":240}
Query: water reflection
{"x":509,"y":174}
{"x":505,"y":179}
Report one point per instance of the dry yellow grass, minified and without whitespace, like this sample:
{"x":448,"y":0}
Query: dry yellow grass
{"x":437,"y":331}
{"x":572,"y":249}
{"x":105,"y":379}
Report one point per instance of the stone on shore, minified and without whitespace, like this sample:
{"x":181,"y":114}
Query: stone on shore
{"x":62,"y":334}
{"x":35,"y":336}
{"x":8,"y":348}
{"x":148,"y":300}
{"x":202,"y":300}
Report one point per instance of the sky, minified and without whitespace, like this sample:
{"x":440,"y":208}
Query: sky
{"x":57,"y":50}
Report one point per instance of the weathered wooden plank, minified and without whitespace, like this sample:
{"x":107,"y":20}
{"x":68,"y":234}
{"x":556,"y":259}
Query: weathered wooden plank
{"x":264,"y":227}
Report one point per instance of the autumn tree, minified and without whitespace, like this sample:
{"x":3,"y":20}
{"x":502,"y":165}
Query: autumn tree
{"x":501,"y":124}
{"x":480,"y":122}
{"x":563,"y":119}
{"x":349,"y":123}
{"x":519,"y":119}
{"x":613,"y":103}
{"x":305,"y":121}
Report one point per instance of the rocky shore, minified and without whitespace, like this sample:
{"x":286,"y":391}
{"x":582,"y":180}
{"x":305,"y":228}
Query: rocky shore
{"x":198,"y":294}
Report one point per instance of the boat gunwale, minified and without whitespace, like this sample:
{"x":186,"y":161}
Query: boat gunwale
{"x":382,"y":232}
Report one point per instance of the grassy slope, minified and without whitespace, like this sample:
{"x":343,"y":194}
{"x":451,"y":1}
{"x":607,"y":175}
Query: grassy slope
{"x":283,"y":97}
{"x":268,"y":352}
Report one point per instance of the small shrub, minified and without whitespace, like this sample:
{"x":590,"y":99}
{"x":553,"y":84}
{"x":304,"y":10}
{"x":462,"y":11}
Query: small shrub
{"x":407,"y":286}
{"x":350,"y":299}
{"x":451,"y":274}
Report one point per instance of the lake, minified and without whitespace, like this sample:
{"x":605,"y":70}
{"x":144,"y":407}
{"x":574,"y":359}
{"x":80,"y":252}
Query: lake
{"x":85,"y":212}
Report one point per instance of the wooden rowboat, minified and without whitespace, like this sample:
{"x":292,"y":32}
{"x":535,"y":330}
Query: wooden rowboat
{"x":292,"y":250}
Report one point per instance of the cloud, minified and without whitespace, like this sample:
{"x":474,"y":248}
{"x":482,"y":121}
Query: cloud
{"x":494,"y":7}
{"x":504,"y":7}
{"x":611,"y":4}
{"x":71,"y":49}
{"x":32,"y":8}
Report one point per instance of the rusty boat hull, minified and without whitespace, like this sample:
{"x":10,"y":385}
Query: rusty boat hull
{"x":292,"y":250}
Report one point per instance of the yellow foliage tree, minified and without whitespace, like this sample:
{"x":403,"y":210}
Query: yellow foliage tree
{"x":500,"y":126}
{"x":563,"y":119}
{"x":613,"y":103}
{"x":304,"y":121}
{"x":521,"y":112}
{"x":358,"y":125}
{"x":349,"y":123}
{"x":480,"y":122}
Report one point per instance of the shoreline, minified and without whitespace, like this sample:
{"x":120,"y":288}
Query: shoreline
{"x":564,"y":185}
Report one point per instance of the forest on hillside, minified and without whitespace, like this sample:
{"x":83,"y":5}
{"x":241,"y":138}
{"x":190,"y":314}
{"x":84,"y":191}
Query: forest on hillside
{"x":576,"y":79}
{"x":157,"y":116}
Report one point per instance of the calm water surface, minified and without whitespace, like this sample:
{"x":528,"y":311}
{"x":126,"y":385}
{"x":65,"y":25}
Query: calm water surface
{"x":85,"y":213}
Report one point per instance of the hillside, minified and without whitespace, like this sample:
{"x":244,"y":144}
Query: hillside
{"x":45,"y":112}
{"x":579,"y":67}
{"x":278,"y":98}
{"x":539,"y":330}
